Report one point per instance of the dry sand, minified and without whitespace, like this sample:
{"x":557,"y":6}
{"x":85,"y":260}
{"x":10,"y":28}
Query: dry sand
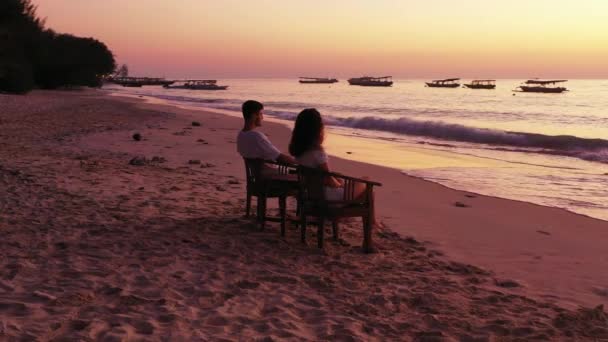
{"x":93,"y":248}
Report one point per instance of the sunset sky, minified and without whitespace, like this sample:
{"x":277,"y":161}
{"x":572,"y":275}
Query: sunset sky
{"x":287,"y":38}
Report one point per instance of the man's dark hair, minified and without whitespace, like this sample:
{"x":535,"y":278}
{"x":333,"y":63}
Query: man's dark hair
{"x":251,"y":107}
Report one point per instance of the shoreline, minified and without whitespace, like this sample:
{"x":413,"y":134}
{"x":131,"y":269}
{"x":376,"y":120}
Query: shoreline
{"x":97,"y":248}
{"x":507,"y":174}
{"x":521,"y":247}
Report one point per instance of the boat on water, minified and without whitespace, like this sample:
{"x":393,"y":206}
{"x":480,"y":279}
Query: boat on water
{"x":367,"y":81}
{"x":446,"y":83}
{"x":542,"y":86}
{"x":481,"y":84}
{"x":197,"y":85}
{"x":140,"y":81}
{"x":317,"y":80}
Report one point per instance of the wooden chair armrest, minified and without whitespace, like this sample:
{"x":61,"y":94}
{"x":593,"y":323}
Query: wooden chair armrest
{"x":272,"y":162}
{"x":339,"y":175}
{"x":355,"y":179}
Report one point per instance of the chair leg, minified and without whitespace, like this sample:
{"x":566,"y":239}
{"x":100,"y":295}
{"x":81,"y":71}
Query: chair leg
{"x":248,"y":205}
{"x":367,"y":235}
{"x":321,"y":232}
{"x":262,"y":200}
{"x":258,"y":209}
{"x":302,"y":227}
{"x":283,"y":213}
{"x":298,"y":211}
{"x":335,"y":230}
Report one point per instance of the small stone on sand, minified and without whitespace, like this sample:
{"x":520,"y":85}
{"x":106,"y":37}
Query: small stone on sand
{"x":138,"y":161}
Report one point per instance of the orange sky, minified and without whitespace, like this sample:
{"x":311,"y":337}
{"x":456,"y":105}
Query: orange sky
{"x":287,"y":38}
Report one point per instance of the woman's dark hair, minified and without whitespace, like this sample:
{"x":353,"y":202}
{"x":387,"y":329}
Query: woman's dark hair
{"x":307,"y":132}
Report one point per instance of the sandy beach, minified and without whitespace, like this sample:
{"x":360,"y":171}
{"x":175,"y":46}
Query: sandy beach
{"x":95,"y":248}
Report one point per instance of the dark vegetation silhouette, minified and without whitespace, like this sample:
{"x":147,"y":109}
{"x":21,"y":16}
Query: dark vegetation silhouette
{"x":31,"y":55}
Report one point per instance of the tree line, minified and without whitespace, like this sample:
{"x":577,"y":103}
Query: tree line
{"x":34,"y":56}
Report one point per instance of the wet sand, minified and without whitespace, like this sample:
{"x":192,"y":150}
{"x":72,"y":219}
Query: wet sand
{"x":94,"y":248}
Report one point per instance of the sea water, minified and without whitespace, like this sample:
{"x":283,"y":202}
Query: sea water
{"x":549,"y":149}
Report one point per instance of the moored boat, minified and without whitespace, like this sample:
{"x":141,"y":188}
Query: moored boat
{"x":140,"y":81}
{"x":542,"y":86}
{"x":446,"y":83}
{"x":197,"y":85}
{"x":317,"y":80}
{"x":367,"y":81}
{"x":481,"y":84}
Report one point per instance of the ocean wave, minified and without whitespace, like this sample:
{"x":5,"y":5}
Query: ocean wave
{"x":567,"y":145}
{"x":462,"y":133}
{"x":595,"y":150}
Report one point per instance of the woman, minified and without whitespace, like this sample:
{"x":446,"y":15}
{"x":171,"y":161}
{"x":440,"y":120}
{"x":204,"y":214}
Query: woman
{"x":307,"y":148}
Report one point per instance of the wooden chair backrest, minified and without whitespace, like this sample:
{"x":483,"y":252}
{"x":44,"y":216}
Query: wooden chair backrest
{"x":253,"y":172}
{"x":312,"y":184}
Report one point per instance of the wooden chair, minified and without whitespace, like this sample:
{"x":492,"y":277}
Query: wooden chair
{"x":313,"y":202}
{"x":278,"y":182}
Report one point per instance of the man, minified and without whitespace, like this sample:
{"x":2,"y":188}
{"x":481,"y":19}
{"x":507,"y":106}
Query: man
{"x":252,"y":143}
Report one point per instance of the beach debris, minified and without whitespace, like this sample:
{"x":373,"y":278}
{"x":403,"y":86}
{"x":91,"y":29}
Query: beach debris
{"x":196,"y":123}
{"x":465,"y":269}
{"x":61,"y":245}
{"x":194,"y":162}
{"x":203,"y":141}
{"x":506,"y":283}
{"x":600,"y":292}
{"x":429,"y":336}
{"x":44,"y":295}
{"x":206,"y":165}
{"x":158,"y":159}
{"x":88,"y":165}
{"x":137,"y":137}
{"x":248,"y":285}
{"x":585,"y":317}
{"x":470,"y":196}
{"x":220,"y":188}
{"x":139,"y":161}
{"x":80,"y":324}
{"x":461,"y":205}
{"x":543,"y":232}
{"x":349,"y":152}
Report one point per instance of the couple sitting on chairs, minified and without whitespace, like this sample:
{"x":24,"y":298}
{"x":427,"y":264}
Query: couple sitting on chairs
{"x":306,"y":150}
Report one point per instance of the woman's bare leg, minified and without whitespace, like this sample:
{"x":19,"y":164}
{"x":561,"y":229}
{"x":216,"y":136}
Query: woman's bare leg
{"x":360,"y":192}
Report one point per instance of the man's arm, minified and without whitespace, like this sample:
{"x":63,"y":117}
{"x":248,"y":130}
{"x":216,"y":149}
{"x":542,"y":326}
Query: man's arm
{"x":285,"y":159}
{"x":270,"y":152}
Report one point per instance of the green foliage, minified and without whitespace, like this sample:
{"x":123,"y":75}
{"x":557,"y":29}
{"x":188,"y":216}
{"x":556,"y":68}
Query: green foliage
{"x":31,"y":54}
{"x":73,"y":61}
{"x":16,"y":78}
